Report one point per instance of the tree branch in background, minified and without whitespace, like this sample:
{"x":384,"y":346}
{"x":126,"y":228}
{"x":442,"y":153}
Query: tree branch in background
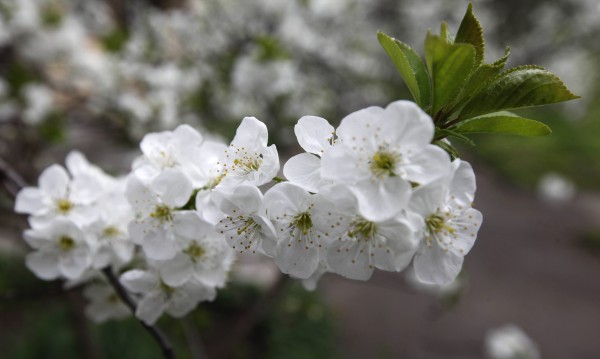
{"x":11,"y":181}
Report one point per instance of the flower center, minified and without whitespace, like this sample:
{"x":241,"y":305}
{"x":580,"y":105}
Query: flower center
{"x":195,"y":251}
{"x":162,"y":213}
{"x":213,"y":182}
{"x":303,"y":222}
{"x":113,"y":299}
{"x":384,"y":163}
{"x":64,"y":206}
{"x":249,"y":226}
{"x":66,"y":243}
{"x":437,"y":223}
{"x":362,"y":228}
{"x":248,"y":164}
{"x":166,"y":289}
{"x":111,"y":231}
{"x":166,"y":160}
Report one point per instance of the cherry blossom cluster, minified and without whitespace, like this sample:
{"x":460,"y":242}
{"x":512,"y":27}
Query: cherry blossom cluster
{"x":372,"y":193}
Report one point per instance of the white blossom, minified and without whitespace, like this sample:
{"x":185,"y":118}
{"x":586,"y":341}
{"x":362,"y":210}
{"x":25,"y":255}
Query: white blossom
{"x":248,"y":159}
{"x":156,"y":212}
{"x":381,"y":153}
{"x":314,"y":135}
{"x":178,"y":149}
{"x":204,"y":254}
{"x":246,"y":225}
{"x":356,"y":245}
{"x":39,"y":103}
{"x":450,"y":224}
{"x":510,"y":342}
{"x":104,"y":304}
{"x":209,"y":164}
{"x":61,"y":250}
{"x":299,"y":242}
{"x":555,"y":188}
{"x":59,"y":196}
{"x":157,"y":297}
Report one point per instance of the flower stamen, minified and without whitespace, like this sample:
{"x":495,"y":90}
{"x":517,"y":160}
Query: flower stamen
{"x":384,"y":163}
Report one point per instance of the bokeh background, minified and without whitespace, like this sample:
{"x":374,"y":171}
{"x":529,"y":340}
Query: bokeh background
{"x":96,"y":75}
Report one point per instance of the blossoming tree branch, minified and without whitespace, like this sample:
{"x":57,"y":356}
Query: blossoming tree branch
{"x":385,"y":190}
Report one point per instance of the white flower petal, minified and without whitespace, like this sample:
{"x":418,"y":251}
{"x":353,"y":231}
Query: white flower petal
{"x":462,"y":187}
{"x":43,"y":265}
{"x":139,"y":281}
{"x":190,"y":225}
{"x":340,"y":163}
{"x":158,"y":247}
{"x":427,"y":199}
{"x":269,"y":166}
{"x":140,"y":197}
{"x":350,"y":259}
{"x":151,"y":307}
{"x":55,"y":181}
{"x":123,"y":250}
{"x":251,"y":135}
{"x":466,"y":228}
{"x":297,"y":259}
{"x":358,"y":127}
{"x":187,"y":136}
{"x":382,"y":200}
{"x":305,"y":171}
{"x":243,"y":199}
{"x":433,"y":265}
{"x":404,"y":122}
{"x":173,"y":187}
{"x":73,"y":264}
{"x":30,"y":201}
{"x":314,"y":134}
{"x":430,"y":163}
{"x":176,"y":271}
{"x":286,"y":197}
{"x":401,"y":244}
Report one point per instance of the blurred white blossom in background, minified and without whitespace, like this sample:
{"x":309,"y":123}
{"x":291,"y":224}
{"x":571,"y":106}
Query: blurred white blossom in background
{"x":556,"y":188}
{"x":510,"y":342}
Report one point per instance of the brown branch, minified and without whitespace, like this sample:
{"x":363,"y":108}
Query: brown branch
{"x":161,"y":339}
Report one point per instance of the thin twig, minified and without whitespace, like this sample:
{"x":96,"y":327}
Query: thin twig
{"x":11,"y":180}
{"x":160,"y":338}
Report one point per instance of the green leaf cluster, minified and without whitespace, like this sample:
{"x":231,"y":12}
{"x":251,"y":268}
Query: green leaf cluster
{"x":465,"y":95}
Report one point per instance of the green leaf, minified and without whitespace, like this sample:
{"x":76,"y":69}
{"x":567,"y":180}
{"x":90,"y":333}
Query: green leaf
{"x":447,"y":146}
{"x":441,"y":133}
{"x":449,"y":65}
{"x":410,"y":66}
{"x":522,"y":86}
{"x":445,"y":33}
{"x":479,"y":79}
{"x":471,"y":32}
{"x":503,"y":122}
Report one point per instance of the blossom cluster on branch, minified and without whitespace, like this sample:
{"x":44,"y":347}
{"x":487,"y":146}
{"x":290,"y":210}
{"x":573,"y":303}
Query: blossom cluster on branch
{"x":372,"y":194}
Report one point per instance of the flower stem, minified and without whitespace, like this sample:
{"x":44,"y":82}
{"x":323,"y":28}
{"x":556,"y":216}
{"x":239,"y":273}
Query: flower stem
{"x":161,"y":339}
